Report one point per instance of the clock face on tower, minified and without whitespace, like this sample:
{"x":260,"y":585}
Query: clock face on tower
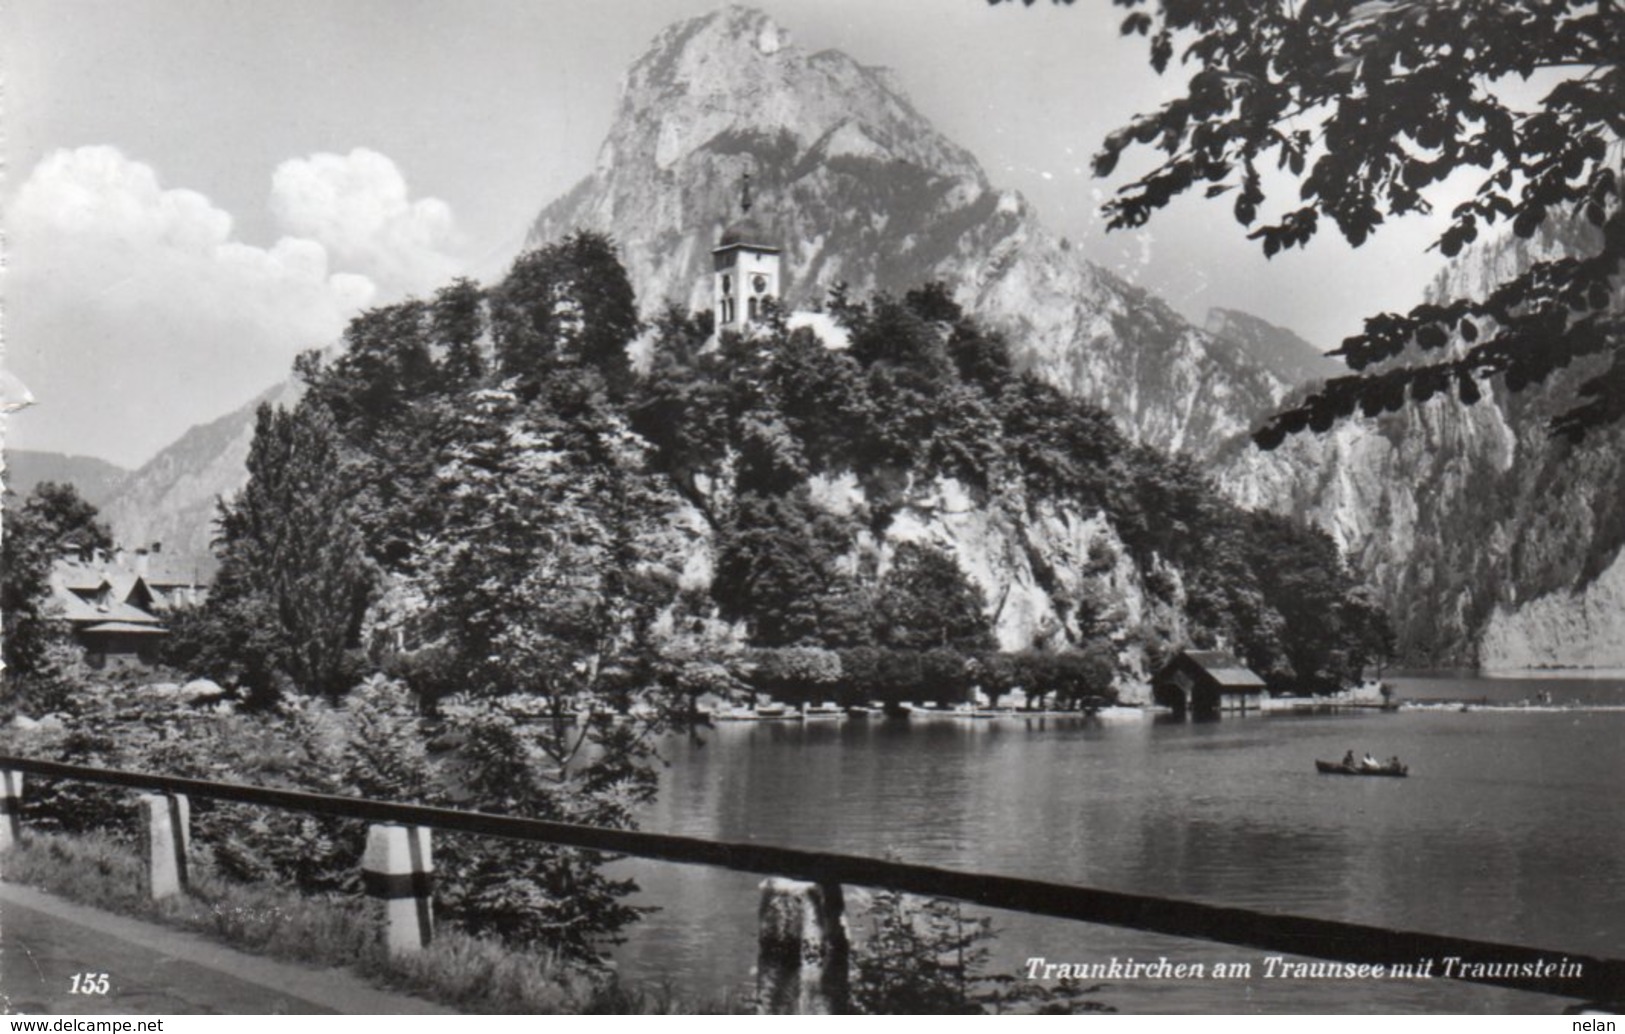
{"x":758,"y":283}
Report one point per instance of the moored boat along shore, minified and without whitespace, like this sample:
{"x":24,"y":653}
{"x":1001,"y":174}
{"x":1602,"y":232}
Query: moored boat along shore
{"x":775,"y":712}
{"x":1444,"y":691}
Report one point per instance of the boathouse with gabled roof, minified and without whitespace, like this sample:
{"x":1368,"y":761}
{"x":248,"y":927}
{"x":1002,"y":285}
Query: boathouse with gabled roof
{"x":1206,"y":682}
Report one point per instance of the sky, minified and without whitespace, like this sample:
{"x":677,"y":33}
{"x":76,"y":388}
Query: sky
{"x":197,"y":190}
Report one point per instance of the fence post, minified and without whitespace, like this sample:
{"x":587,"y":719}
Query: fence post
{"x":168,"y":837}
{"x":398,"y":870}
{"x":803,"y":953}
{"x":11,"y":809}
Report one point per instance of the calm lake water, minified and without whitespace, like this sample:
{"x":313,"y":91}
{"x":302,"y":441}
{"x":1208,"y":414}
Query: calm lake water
{"x":1509,"y":828}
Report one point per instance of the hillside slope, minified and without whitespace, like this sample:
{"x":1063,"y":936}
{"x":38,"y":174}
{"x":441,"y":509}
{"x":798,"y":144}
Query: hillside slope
{"x":96,"y":479}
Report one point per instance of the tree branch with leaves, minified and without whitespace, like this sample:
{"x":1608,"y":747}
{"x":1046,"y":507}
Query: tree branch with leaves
{"x":1365,"y":106}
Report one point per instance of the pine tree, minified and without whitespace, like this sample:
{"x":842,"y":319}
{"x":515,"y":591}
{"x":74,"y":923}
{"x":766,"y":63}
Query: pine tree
{"x":294,"y":578}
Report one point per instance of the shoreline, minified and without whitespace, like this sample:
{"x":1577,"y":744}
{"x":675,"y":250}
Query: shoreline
{"x":1469,"y":706}
{"x":1574,"y":674}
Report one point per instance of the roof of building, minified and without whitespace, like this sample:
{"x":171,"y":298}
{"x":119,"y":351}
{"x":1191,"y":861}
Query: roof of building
{"x":126,"y":626}
{"x":79,"y":577}
{"x":91,"y":597}
{"x":121,"y":569}
{"x":127,"y":586}
{"x":81,"y":611}
{"x":1224,"y":669}
{"x":160,"y":573}
{"x":747,"y":232}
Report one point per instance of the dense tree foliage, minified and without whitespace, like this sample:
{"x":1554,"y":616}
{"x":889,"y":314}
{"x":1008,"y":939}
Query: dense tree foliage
{"x":511,"y":756}
{"x":458,"y":499}
{"x":1366,"y":104}
{"x":566,"y":303}
{"x":463,"y":455}
{"x":925,"y":601}
{"x":519,"y":516}
{"x":54,"y":520}
{"x":778,"y":571}
{"x":1065,"y":678}
{"x":58,"y":516}
{"x":374,"y":742}
{"x":295,"y":578}
{"x":552,"y":555}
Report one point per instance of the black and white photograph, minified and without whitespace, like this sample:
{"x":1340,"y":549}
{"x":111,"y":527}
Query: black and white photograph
{"x":886,"y":507}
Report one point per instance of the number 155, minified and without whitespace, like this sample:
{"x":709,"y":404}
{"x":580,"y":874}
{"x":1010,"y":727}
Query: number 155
{"x":89,"y":984}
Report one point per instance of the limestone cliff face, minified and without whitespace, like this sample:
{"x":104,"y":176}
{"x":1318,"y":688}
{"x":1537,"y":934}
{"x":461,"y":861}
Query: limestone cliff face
{"x":1042,"y":567}
{"x":1557,"y":600}
{"x":857,"y":187}
{"x":1038,"y":565}
{"x":1037,"y":568}
{"x":1395,"y":496}
{"x":1581,"y":628}
{"x":1491,"y":542}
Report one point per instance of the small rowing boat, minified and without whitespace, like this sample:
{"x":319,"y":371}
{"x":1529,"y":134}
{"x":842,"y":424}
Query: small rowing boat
{"x":1335,"y":768}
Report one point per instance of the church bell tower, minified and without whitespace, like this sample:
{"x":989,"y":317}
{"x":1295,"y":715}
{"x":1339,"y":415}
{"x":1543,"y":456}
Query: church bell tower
{"x":745,"y":272}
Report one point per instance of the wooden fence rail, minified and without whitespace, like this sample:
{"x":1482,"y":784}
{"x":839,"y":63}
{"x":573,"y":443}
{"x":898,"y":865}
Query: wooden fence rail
{"x":1542,"y":970}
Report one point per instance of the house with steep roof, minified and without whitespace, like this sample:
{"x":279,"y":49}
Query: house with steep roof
{"x":173,"y":582}
{"x":1206,"y":682}
{"x":115,"y":603}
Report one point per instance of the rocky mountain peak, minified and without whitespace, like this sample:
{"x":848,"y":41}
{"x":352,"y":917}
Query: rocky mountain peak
{"x":1280,"y":350}
{"x":736,"y":73}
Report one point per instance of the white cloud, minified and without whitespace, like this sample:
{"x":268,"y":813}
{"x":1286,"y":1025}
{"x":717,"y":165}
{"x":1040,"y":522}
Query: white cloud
{"x":132,"y":312}
{"x":358,"y":207}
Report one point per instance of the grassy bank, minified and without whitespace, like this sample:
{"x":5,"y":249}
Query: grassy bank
{"x":471,"y":974}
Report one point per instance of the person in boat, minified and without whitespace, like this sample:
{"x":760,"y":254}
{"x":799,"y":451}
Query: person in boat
{"x":1348,"y":760}
{"x":1369,"y":762}
{"x":1393,"y":763}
